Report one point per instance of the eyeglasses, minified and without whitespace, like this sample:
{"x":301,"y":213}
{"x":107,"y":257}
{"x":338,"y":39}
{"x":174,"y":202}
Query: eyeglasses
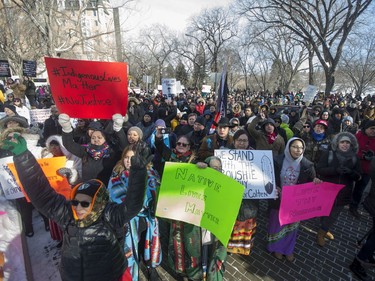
{"x":234,"y":124}
{"x":242,"y":140}
{"x":306,"y":126}
{"x":297,"y":147}
{"x":84,"y":204}
{"x":183,"y":144}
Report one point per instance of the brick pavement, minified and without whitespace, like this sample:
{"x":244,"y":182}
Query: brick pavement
{"x":311,"y":263}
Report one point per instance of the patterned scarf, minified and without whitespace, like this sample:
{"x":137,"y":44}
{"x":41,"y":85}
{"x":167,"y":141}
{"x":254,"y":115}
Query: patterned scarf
{"x":98,"y":152}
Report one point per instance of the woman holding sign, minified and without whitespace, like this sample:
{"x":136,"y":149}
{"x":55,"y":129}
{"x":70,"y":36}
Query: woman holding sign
{"x":290,"y":168}
{"x":242,"y":240}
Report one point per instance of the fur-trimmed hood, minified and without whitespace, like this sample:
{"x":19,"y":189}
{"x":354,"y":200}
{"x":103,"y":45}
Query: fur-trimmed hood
{"x":133,"y":99}
{"x":339,"y":136}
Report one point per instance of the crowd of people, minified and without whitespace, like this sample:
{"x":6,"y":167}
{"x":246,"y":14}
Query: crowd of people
{"x":116,"y":167}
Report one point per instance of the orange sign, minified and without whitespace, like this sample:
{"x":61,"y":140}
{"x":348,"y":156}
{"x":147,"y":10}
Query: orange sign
{"x":49,"y":167}
{"x":88,"y":89}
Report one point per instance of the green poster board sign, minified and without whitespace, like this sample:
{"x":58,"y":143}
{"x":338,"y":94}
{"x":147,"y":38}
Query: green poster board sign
{"x":203,"y":197}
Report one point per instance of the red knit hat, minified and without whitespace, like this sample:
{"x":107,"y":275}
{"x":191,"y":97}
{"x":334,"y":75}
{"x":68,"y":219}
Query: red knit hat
{"x":321,"y":122}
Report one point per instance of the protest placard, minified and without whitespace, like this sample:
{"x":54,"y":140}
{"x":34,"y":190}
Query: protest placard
{"x":4,"y":68}
{"x":203,"y":197}
{"x":169,"y":87}
{"x":251,"y":168}
{"x":7,"y":181}
{"x":49,"y":167}
{"x":88,"y":89}
{"x":309,"y":93}
{"x":39,"y":115}
{"x":29,"y":68}
{"x":305,"y":201}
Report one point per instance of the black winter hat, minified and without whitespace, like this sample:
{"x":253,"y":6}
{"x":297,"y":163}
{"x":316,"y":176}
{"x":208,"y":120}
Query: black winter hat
{"x":368,"y":124}
{"x":89,"y":187}
{"x":11,"y":107}
{"x":201,"y":120}
{"x":95,"y":125}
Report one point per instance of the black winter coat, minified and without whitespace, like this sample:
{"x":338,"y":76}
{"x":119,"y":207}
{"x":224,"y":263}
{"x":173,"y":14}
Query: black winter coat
{"x":307,"y":174}
{"x":92,"y":169}
{"x":327,"y":170}
{"x":91,"y":250}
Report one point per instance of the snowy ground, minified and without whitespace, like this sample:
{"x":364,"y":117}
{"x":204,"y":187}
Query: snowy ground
{"x":44,"y":255}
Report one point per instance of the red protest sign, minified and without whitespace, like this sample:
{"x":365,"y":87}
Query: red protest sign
{"x":88,"y":89}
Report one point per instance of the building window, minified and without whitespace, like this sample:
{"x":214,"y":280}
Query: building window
{"x":72,"y":4}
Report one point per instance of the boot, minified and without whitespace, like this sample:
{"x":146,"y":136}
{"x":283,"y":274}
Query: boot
{"x":359,"y":270}
{"x":329,"y":236}
{"x":320,"y":237}
{"x":153,"y":274}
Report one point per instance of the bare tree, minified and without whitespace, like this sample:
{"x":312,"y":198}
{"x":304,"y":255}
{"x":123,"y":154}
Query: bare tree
{"x":358,"y":62}
{"x":159,"y":42}
{"x":215,"y":27}
{"x":288,"y":54}
{"x":57,"y":28}
{"x":325,"y":25}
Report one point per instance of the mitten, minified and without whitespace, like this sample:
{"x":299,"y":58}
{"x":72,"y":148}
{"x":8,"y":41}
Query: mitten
{"x":64,"y":121}
{"x":118,"y":120}
{"x":368,"y":155}
{"x":141,"y":157}
{"x":70,"y":174}
{"x":16,"y":144}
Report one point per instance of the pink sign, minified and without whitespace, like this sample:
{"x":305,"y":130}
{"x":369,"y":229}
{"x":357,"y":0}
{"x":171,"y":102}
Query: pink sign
{"x":305,"y":201}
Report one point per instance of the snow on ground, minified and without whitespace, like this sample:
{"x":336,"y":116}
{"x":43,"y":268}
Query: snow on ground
{"x":44,"y":255}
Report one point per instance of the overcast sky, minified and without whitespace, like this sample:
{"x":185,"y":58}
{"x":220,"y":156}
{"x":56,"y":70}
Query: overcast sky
{"x":173,"y":13}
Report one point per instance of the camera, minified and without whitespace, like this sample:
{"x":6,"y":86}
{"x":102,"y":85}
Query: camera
{"x":165,"y":131}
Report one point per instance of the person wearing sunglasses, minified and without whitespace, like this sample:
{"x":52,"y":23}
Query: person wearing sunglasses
{"x":185,"y":236}
{"x":92,"y":225}
{"x":267,"y":137}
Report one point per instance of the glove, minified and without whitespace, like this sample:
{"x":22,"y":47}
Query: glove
{"x":118,"y":120}
{"x":141,"y":157}
{"x":343,"y":170}
{"x":64,"y":121}
{"x":17,"y":147}
{"x":368,"y":155}
{"x":70,"y":174}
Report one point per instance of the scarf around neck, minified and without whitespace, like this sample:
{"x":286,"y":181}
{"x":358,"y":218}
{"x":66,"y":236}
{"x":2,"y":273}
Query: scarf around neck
{"x":291,"y":167}
{"x":271,"y":138}
{"x":98,"y":152}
